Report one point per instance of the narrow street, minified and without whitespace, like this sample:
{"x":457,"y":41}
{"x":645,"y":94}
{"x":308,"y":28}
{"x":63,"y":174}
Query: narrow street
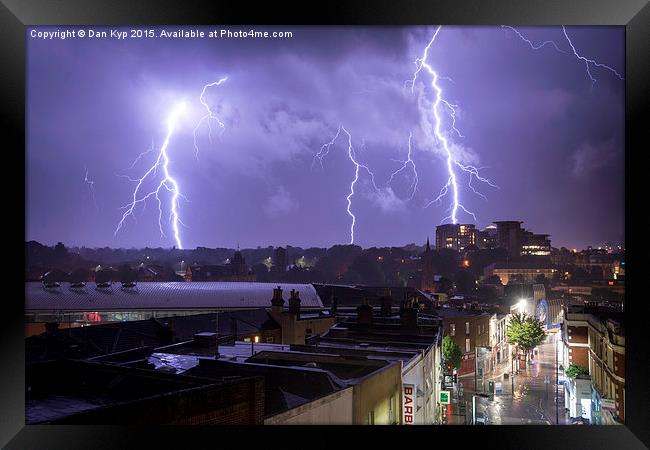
{"x":533,"y":400}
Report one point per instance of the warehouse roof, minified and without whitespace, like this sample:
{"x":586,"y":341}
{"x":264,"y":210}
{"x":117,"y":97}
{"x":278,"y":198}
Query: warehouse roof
{"x":165,"y":295}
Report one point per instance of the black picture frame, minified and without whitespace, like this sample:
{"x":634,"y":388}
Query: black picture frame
{"x":15,"y":15}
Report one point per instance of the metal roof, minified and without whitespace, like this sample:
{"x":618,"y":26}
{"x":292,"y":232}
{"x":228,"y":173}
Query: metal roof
{"x":165,"y":295}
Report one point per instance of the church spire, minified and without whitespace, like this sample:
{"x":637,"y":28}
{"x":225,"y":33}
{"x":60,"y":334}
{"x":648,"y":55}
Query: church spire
{"x":428,"y":249}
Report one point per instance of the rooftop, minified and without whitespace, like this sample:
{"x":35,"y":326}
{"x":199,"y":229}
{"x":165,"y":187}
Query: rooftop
{"x":57,"y":390}
{"x":530,"y":265}
{"x":163,"y":295}
{"x":97,"y":340}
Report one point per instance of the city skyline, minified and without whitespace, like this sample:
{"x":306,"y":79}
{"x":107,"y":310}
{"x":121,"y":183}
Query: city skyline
{"x":257,"y":182}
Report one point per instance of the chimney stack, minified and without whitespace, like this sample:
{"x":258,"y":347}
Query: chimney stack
{"x":386,"y":302}
{"x":277,"y":302}
{"x":408,"y":315}
{"x":364,"y":313}
{"x":294,"y":302}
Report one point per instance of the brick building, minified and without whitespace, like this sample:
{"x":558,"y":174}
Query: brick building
{"x":469,"y":328}
{"x":81,"y":392}
{"x":595,"y":339}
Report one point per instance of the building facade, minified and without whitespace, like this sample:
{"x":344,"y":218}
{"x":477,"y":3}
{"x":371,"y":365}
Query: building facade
{"x":595,"y":339}
{"x":297,"y":328}
{"x":498,"y":342}
{"x":469,"y":329}
{"x":456,"y":236}
{"x":522,"y":272}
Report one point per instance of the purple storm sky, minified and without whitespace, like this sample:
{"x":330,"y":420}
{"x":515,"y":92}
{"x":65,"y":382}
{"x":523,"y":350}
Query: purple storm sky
{"x":552,"y":140}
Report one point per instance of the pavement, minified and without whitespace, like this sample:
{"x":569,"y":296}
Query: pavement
{"x":527,"y":399}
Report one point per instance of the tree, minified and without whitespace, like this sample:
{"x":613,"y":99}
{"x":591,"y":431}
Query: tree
{"x":525,"y":332}
{"x":541,"y":279}
{"x":465,"y":282}
{"x":364,"y":270}
{"x":59,"y":249}
{"x":575,"y":370}
{"x":451,"y":352}
{"x":494,"y":280}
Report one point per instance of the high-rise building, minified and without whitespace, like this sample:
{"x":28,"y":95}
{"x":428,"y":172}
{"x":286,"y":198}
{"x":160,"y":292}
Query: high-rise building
{"x":280,"y":260}
{"x":509,"y":236}
{"x":487,"y":238}
{"x":535,"y":244}
{"x":455,"y":236}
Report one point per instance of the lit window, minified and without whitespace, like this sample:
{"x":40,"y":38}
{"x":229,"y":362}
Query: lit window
{"x":467,"y":346}
{"x":466,"y":327}
{"x":452,"y":329}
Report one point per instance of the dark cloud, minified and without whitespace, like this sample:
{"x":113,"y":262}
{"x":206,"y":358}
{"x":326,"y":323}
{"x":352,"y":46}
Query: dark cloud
{"x":542,"y":132}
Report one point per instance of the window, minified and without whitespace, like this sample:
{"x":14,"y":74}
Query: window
{"x":466,"y":327}
{"x":467,"y":345}
{"x":371,"y":418}
{"x":270,"y":340}
{"x":452,"y":329}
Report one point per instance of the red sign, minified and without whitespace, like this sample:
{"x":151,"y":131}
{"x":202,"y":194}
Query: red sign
{"x":408,"y":404}
{"x":92,"y":317}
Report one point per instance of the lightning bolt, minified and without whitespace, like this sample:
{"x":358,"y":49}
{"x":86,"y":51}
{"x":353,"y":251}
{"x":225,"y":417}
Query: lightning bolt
{"x":91,"y":188}
{"x":167,"y":183}
{"x":588,"y":62}
{"x":529,"y":42}
{"x":135,"y":161}
{"x":452,"y":163}
{"x":406,"y":163}
{"x":209,"y":116}
{"x":324,"y":151}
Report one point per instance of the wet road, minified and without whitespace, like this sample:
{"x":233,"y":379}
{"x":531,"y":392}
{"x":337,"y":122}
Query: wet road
{"x":533,"y":401}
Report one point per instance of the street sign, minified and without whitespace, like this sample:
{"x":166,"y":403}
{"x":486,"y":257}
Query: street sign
{"x":444,"y":397}
{"x":408,"y":398}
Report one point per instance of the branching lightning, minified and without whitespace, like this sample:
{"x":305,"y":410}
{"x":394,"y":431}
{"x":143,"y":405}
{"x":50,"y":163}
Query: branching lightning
{"x":324,"y":151}
{"x":209,"y":116}
{"x":167,"y":183}
{"x":529,"y":42}
{"x":452,"y":163}
{"x":91,"y":188}
{"x":588,"y":62}
{"x":406,"y":163}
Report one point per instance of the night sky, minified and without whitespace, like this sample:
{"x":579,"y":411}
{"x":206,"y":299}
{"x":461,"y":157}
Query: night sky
{"x":551,"y":140}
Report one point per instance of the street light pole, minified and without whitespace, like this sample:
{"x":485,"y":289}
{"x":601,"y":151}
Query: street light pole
{"x":473,"y":409}
{"x":475,"y":367}
{"x":512,"y":374}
